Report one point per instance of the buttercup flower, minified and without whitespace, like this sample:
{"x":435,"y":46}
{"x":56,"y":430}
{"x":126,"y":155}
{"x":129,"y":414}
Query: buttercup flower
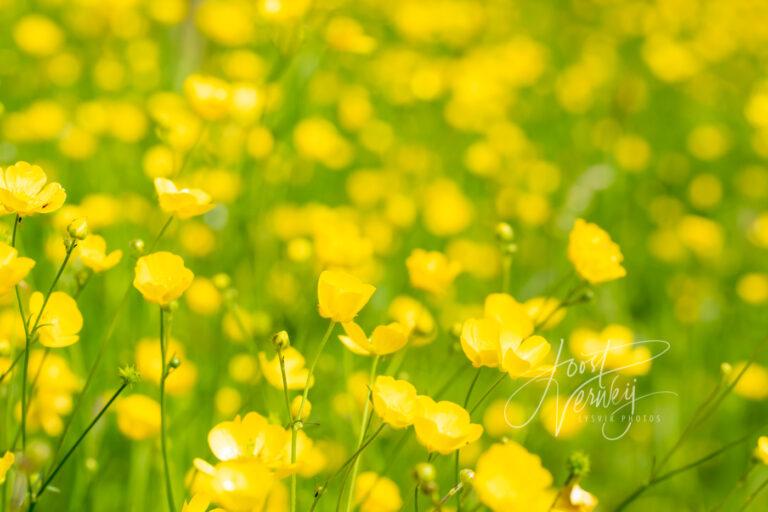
{"x":385,"y":339}
{"x":198,"y":503}
{"x":444,"y":426}
{"x":180,"y":380}
{"x":183,"y":203}
{"x":61,"y":321}
{"x":394,"y":401}
{"x":161,"y":277}
{"x":411,"y":313}
{"x":208,"y":96}
{"x":237,"y":485}
{"x":595,"y":256}
{"x":93,"y":253}
{"x":23,"y":190}
{"x":376,"y":493}
{"x":341,"y":296}
{"x":13,"y":268}
{"x":431,"y":271}
{"x":6,"y":461}
{"x":295,"y":370}
{"x":480,"y":342}
{"x":510,"y":479}
{"x":573,"y":498}
{"x":138,"y":417}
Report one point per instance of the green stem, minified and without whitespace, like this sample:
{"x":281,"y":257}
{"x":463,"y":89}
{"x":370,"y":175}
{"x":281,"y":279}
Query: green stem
{"x":69,"y":453}
{"x":738,"y":485}
{"x":488,"y":392}
{"x":456,"y":456}
{"x":361,"y":438}
{"x":160,"y":234}
{"x":295,"y":424}
{"x":350,"y":460}
{"x":754,"y":494}
{"x":163,"y":441}
{"x":285,"y":386}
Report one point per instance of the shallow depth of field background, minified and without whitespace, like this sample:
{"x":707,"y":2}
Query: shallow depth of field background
{"x":385,"y":126}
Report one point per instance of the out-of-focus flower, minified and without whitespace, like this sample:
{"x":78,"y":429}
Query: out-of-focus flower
{"x":614,"y":346}
{"x":203,"y":297}
{"x":55,"y":384}
{"x":198,"y":503}
{"x":394,"y":401}
{"x":92,"y":251}
{"x":560,"y":417}
{"x":753,"y":288}
{"x":61,"y":321}
{"x":572,"y":498}
{"x":13,"y":268}
{"x":161,"y":277}
{"x":385,"y":339}
{"x":761,"y":450}
{"x":443,"y":426}
{"x":431,"y":271}
{"x":753,"y":383}
{"x":341,"y":295}
{"x":347,"y":35}
{"x":183,"y":203}
{"x":521,"y":485}
{"x":38,"y":35}
{"x":240,"y":485}
{"x":545,"y":311}
{"x":208,"y":96}
{"x":138,"y":417}
{"x":376,"y":493}
{"x":6,"y":461}
{"x":416,"y":317}
{"x":296,"y":406}
{"x":148,"y":362}
{"x":23,"y":190}
{"x":295,"y":370}
{"x":595,"y":256}
{"x":447,"y":211}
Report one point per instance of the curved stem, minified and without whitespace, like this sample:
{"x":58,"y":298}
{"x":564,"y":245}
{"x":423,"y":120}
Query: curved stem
{"x":163,"y":442}
{"x":361,"y":438}
{"x":160,"y":234}
{"x":304,"y":395}
{"x":488,"y":392}
{"x":285,"y":386}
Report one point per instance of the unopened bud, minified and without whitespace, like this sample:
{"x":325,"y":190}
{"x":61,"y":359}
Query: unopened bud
{"x":281,"y":340}
{"x":425,"y":472}
{"x":578,"y":464}
{"x":78,"y":229}
{"x":137,"y":247}
{"x":504,"y":232}
{"x":129,"y":374}
{"x":174,"y":363}
{"x":466,"y":476}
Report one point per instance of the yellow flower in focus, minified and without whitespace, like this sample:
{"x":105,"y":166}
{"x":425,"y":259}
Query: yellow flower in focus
{"x":6,"y":461}
{"x":138,"y":417}
{"x":573,"y":498}
{"x":443,"y":426}
{"x":385,"y":339}
{"x":525,"y":358}
{"x":376,"y":493}
{"x":761,"y":451}
{"x":13,"y":268}
{"x":395,"y":401}
{"x":183,"y":203}
{"x":61,"y":321}
{"x":510,"y":479}
{"x":148,"y":362}
{"x":341,"y":295}
{"x":93,"y":253}
{"x":236,"y":485}
{"x":295,"y":371}
{"x":208,"y":96}
{"x":480,"y":342}
{"x":431,"y":271}
{"x":595,"y":256}
{"x":23,"y":190}
{"x":161,"y":277}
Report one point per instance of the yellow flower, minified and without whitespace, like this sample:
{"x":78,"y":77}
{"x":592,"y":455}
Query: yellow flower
{"x":431,"y":271}
{"x":510,"y":479}
{"x":295,"y":371}
{"x":237,"y":485}
{"x":614,"y":346}
{"x":203,"y":297}
{"x":61,"y":321}
{"x":12,"y":268}
{"x":480,"y":342}
{"x":444,"y":426}
{"x":753,"y":384}
{"x":148,"y":362}
{"x":761,"y":451}
{"x":385,"y":339}
{"x":595,"y":256}
{"x":541,"y":309}
{"x":93,"y":253}
{"x":138,"y":417}
{"x":526,"y":357}
{"x":183,"y":203}
{"x":341,"y":295}
{"x":395,"y":401}
{"x":560,"y":417}
{"x":23,"y":190}
{"x":573,"y":498}
{"x":411,"y":313}
{"x":306,"y":409}
{"x":161,"y":277}
{"x":6,"y":461}
{"x":376,"y":493}
{"x":208,"y":96}
{"x":198,"y":503}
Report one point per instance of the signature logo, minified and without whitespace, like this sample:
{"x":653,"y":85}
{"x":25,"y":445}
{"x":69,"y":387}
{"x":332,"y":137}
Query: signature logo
{"x":604,"y":393}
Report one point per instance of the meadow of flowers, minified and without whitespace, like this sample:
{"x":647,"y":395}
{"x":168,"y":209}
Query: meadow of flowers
{"x":423,"y":255}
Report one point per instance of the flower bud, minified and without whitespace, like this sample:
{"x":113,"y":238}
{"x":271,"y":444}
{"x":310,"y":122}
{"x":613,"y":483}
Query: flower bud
{"x":466,"y":476}
{"x":281,"y":341}
{"x":174,"y":363}
{"x":78,"y":229}
{"x":137,"y":247}
{"x":504,"y":232}
{"x":425,"y":472}
{"x":578,"y":464}
{"x":129,"y":374}
{"x":508,"y":249}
